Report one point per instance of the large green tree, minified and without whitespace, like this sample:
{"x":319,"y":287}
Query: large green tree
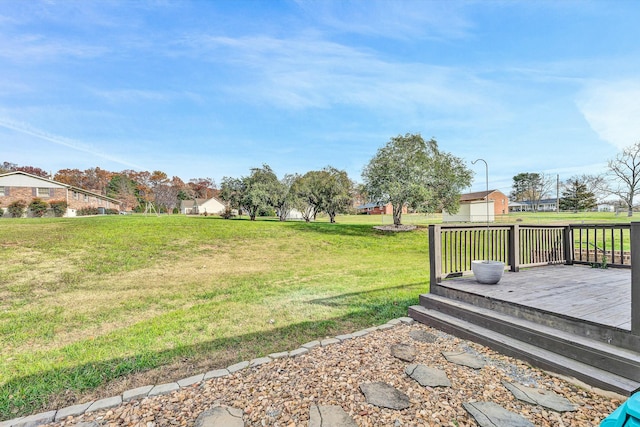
{"x":624,"y":175}
{"x":328,"y":190}
{"x":251,"y":193}
{"x":411,"y":171}
{"x":576,"y":196}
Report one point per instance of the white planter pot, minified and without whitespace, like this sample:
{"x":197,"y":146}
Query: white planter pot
{"x":487,"y":272}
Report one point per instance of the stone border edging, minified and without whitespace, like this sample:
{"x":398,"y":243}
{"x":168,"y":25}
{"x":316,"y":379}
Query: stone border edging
{"x":161,"y":389}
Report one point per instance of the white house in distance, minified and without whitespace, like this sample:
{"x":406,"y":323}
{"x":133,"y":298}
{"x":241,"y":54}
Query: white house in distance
{"x":210,"y":206}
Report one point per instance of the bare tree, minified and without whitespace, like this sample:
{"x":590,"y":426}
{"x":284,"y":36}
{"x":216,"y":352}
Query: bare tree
{"x":531,"y":187}
{"x":624,"y":175}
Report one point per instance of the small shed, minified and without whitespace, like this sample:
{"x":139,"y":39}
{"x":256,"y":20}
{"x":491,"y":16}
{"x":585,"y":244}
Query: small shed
{"x":472,"y":211}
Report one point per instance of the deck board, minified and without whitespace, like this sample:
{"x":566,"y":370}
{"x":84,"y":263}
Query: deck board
{"x":597,"y":295}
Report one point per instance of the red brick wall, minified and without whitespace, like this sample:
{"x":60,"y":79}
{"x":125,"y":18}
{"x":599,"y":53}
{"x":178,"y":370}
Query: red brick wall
{"x":26,"y":194}
{"x":500,"y":203}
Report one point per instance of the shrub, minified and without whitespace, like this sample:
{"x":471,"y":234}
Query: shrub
{"x":1,"y":212}
{"x":38,"y":207}
{"x":87,"y":211}
{"x":112,"y":212}
{"x":228,"y":213}
{"x":16,"y":209}
{"x":59,"y":207}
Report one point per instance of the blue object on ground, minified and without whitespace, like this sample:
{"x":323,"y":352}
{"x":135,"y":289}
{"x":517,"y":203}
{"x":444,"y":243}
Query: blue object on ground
{"x":627,"y":414}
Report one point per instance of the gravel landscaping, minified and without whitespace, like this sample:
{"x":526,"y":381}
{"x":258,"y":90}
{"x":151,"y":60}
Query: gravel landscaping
{"x":281,"y":392}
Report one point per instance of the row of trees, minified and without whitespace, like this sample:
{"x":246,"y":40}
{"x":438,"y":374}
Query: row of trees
{"x":407,"y":171}
{"x":328,"y":190}
{"x":582,"y":192}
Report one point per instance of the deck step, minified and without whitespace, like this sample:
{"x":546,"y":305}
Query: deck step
{"x":592,"y":352}
{"x":621,"y":339}
{"x":537,"y":356}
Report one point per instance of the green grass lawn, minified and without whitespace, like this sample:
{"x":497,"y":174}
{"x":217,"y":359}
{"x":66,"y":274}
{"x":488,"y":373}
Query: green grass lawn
{"x":85,"y":301}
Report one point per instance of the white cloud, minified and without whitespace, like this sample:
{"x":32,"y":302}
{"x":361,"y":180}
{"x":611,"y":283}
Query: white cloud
{"x":612,"y":110}
{"x":26,"y":129}
{"x":392,"y":19}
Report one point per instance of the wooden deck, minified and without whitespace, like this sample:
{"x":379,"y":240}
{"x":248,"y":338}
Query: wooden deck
{"x":570,"y":319}
{"x":600,"y":296}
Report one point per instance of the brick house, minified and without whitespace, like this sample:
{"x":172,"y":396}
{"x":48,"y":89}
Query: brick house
{"x":378,"y":209}
{"x":24,"y":186}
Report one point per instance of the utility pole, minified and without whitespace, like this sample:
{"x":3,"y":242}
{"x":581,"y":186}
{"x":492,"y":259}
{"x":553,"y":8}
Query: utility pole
{"x":558,"y":193}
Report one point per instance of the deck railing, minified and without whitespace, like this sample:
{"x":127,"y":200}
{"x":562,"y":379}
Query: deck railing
{"x":453,"y":247}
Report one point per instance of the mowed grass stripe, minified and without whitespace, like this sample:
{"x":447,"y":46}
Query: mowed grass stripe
{"x":88,"y":300}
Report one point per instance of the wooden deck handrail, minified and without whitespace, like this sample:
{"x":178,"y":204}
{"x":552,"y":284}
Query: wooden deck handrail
{"x":453,"y":247}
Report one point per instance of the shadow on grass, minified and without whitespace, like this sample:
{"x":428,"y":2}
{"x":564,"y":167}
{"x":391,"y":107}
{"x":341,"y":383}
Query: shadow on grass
{"x":353,"y":230}
{"x":346,"y":299}
{"x":31,"y":394}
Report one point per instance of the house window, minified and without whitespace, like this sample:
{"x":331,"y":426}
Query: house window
{"x":42,"y":192}
{"x":86,"y":197}
{"x":75,"y":195}
{"x":1,"y":191}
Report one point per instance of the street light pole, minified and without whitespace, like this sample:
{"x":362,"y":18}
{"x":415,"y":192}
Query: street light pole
{"x":486,"y":237}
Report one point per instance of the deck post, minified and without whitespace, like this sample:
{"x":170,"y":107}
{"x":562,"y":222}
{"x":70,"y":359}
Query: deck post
{"x":635,"y":278}
{"x":435,"y":256}
{"x":514,"y":248}
{"x":567,"y":237}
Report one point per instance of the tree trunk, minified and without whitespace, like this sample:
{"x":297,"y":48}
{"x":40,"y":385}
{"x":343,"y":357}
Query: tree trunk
{"x":397,"y":214}
{"x":332,"y":218}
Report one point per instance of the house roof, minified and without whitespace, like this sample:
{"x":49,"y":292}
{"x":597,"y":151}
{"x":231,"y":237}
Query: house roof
{"x":191,"y":203}
{"x":478,"y":195}
{"x":70,"y":187}
{"x":371,"y":205}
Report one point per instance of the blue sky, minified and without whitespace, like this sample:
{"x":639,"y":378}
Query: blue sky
{"x":213,"y":88}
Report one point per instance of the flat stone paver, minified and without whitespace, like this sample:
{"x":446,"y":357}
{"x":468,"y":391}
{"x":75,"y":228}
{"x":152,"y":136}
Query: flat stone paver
{"x":72,"y":411}
{"x":329,"y":341}
{"x":280,"y":355}
{"x":10,"y":423}
{"x":259,"y":361}
{"x":404,"y":352}
{"x":166,"y":388}
{"x":384,"y":395}
{"x":186,"y":382}
{"x":298,"y":352}
{"x":428,"y":377}
{"x":109,"y":402}
{"x":220,"y":416}
{"x":329,"y":416}
{"x":137,"y":393}
{"x":537,"y":396}
{"x":464,"y":359}
{"x":344,"y":337}
{"x":423,"y":336}
{"x":406,"y":320}
{"x":36,"y":419}
{"x":361,"y":333}
{"x":216,"y":373}
{"x":489,"y":414}
{"x":238,"y":366}
{"x":311,"y":344}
